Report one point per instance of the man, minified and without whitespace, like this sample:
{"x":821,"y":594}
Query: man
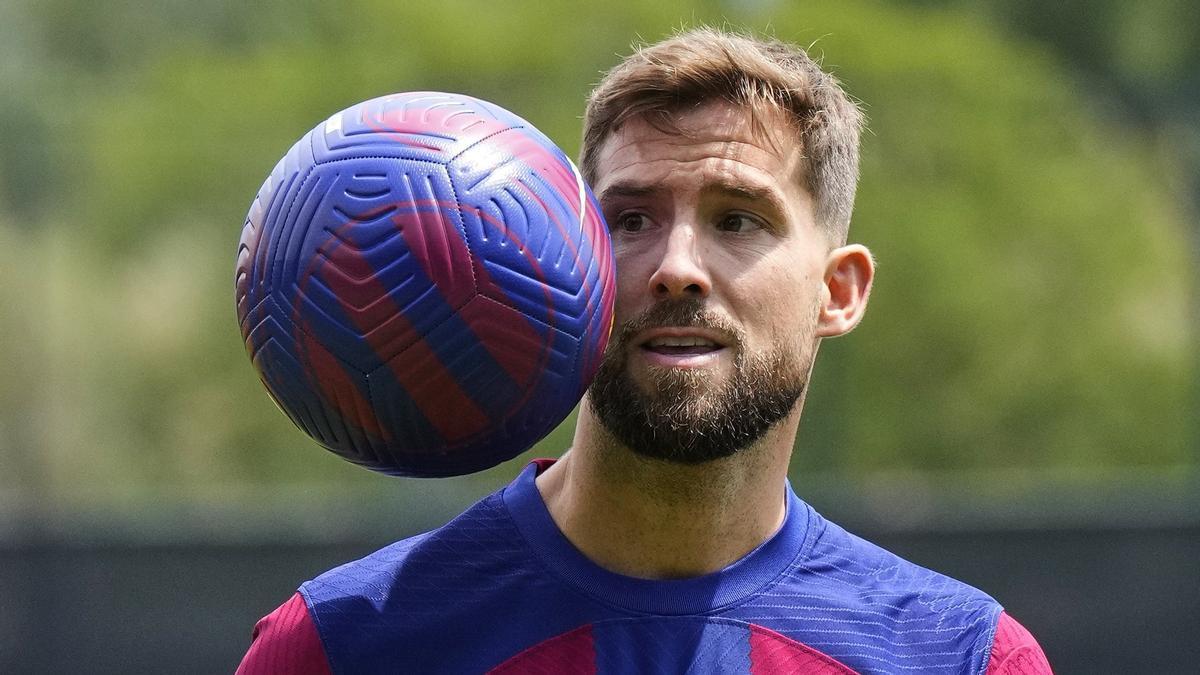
{"x":667,"y":539}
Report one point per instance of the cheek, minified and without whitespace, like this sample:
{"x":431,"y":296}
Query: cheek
{"x":628,"y":301}
{"x":632,"y":277}
{"x":785,"y":306}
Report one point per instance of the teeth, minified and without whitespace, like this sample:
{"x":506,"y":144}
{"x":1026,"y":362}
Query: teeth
{"x":681,"y":342}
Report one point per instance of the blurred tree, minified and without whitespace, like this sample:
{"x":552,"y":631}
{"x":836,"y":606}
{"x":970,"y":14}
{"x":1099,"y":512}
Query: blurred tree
{"x":1139,"y":63}
{"x":1144,"y":57}
{"x":1029,"y":310}
{"x":1033,"y":298}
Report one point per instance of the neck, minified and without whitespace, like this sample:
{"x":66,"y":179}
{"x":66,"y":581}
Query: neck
{"x":660,"y":520}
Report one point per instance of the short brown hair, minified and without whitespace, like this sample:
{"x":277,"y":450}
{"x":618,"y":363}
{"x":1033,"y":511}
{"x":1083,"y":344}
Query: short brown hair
{"x":705,"y":64}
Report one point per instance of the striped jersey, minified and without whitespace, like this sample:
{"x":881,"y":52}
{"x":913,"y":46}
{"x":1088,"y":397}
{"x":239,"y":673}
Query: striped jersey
{"x":500,"y":589}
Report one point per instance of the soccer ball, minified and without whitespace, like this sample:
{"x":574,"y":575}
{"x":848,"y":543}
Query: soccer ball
{"x":425,"y":285}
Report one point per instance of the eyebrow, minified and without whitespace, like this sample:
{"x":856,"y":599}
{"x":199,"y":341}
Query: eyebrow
{"x":739,"y":191}
{"x":750,"y":193}
{"x":628,"y":189}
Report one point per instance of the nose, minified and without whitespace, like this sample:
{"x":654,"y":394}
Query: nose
{"x":681,"y":271}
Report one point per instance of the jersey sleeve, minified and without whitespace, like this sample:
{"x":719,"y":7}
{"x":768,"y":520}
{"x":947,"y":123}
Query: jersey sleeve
{"x":1015,"y":652}
{"x":285,"y":642}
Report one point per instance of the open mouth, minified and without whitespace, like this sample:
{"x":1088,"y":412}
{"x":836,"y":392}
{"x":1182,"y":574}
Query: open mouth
{"x":681,"y":346}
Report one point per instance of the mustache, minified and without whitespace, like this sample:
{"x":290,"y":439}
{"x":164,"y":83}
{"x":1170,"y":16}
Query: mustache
{"x":683,"y":313}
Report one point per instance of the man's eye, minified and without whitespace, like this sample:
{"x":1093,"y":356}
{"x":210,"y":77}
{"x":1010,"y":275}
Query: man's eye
{"x":739,"y":222}
{"x":631,"y":222}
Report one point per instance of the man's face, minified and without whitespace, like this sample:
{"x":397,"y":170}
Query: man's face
{"x":719,"y":278}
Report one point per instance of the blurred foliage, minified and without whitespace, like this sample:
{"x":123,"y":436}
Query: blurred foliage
{"x":1033,"y":300}
{"x":1144,"y":55}
{"x":1033,"y":306}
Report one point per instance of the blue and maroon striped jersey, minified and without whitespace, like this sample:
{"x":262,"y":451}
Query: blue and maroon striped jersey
{"x":500,"y":589}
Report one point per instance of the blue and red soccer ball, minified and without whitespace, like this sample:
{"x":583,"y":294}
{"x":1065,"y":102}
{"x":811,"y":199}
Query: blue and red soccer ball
{"x":425,"y":284}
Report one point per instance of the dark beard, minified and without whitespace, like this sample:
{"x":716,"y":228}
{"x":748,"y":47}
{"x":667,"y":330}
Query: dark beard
{"x":682,"y":418}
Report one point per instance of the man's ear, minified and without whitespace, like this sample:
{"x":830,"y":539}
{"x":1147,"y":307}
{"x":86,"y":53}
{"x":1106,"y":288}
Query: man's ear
{"x":849,"y":271}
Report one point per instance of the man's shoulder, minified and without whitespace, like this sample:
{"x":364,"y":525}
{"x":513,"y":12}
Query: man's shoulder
{"x":464,"y":550}
{"x":876,"y":611}
{"x":422,"y":592}
{"x":843,"y":559}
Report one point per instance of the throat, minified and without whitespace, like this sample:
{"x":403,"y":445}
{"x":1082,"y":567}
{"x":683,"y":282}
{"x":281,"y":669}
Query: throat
{"x":659,"y":520}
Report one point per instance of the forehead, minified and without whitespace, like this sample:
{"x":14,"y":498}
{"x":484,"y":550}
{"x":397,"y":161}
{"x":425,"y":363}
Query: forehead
{"x":715,"y":138}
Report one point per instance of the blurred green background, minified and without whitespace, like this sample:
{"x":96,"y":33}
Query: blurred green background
{"x":1031,"y":182}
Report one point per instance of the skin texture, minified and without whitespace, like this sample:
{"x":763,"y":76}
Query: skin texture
{"x":714,"y":218}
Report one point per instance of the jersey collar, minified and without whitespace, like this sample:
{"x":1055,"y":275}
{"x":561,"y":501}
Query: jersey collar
{"x":699,"y":595}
